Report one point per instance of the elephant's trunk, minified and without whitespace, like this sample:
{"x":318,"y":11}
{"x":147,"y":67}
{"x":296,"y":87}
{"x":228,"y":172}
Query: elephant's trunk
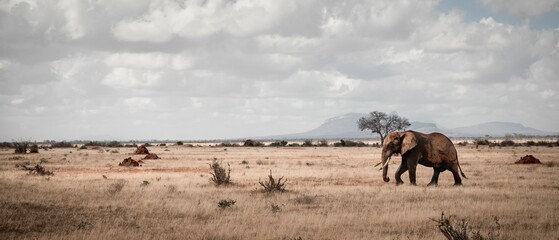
{"x":385,"y":160}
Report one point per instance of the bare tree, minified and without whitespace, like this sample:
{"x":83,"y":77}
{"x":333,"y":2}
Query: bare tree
{"x":382,"y":123}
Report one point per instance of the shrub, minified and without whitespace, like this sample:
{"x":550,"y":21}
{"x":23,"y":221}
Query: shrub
{"x":180,"y":143}
{"x":481,"y":142}
{"x":38,"y":169}
{"x":464,"y":232}
{"x":507,"y":143}
{"x":228,"y":144}
{"x":225,"y":203}
{"x":349,"y":143}
{"x":278,"y":144}
{"x":323,"y":143}
{"x":219,"y":175}
{"x":20,"y":147}
{"x":114,"y":144}
{"x":307,"y":143}
{"x":62,"y":144}
{"x":251,"y":143}
{"x":272,"y":185}
{"x":34,"y":148}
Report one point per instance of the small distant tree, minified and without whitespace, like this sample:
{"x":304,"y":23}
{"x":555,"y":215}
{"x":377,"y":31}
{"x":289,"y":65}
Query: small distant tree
{"x":382,"y":123}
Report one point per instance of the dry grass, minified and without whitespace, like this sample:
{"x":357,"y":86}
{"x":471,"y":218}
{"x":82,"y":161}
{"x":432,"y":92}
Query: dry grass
{"x":336,"y":195}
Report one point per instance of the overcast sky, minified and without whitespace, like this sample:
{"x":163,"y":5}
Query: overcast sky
{"x":164,"y":69}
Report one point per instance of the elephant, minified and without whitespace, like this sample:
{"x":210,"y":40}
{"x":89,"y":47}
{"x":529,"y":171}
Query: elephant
{"x":431,"y":150}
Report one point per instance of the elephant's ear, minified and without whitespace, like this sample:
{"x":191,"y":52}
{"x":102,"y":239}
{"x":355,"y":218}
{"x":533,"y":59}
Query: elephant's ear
{"x":408,"y":141}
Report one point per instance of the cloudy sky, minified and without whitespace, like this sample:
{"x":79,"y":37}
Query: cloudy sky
{"x":207,"y":69}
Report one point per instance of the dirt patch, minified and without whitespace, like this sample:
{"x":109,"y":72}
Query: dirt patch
{"x":132,"y":170}
{"x":528,"y":159}
{"x":141,"y":150}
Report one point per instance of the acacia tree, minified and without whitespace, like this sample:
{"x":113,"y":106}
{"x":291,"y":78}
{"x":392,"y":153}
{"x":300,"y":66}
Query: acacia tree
{"x":382,"y":123}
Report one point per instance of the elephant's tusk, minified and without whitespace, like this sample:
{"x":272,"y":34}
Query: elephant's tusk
{"x":386,"y":164}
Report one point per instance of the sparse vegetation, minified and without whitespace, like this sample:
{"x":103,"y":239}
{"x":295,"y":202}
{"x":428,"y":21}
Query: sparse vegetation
{"x":461,"y":230}
{"x":62,"y":144}
{"x":180,"y":143}
{"x":226,"y":203}
{"x":34,"y":148}
{"x":278,"y":144}
{"x":308,"y":143}
{"x":219,"y":175}
{"x":328,"y":200}
{"x":20,"y":147}
{"x":38,"y":169}
{"x":271,"y":185}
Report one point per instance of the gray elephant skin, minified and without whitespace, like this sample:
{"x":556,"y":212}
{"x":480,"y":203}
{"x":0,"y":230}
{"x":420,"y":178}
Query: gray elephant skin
{"x":431,"y":150}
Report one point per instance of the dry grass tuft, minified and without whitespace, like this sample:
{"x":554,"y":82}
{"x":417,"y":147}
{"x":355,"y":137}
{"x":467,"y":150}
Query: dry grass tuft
{"x":37,"y":170}
{"x":272,"y":185}
{"x":462,"y":231}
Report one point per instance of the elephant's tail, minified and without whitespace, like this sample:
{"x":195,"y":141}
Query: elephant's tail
{"x":461,"y":173}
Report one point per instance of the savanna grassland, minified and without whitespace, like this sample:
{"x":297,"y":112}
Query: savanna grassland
{"x":332,"y":193}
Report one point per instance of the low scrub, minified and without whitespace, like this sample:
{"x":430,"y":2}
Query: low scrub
{"x":272,"y":185}
{"x":37,"y":170}
{"x":461,"y":230}
{"x":226,"y":203}
{"x":219,"y":175}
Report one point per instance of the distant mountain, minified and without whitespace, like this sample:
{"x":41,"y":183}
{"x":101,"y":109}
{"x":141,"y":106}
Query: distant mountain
{"x":345,"y":126}
{"x":497,"y":129}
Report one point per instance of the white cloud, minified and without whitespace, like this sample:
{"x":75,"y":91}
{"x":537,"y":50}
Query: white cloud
{"x":290,"y":64}
{"x":74,"y":27}
{"x":523,"y":8}
{"x":198,"y":19}
{"x":137,"y":103}
{"x":153,"y":60}
{"x":131,"y":78}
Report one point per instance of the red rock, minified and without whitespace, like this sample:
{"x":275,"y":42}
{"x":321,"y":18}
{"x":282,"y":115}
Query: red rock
{"x":528,"y":159}
{"x":141,"y":150}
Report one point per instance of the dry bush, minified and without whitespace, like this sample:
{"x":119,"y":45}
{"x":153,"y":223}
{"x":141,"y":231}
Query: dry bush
{"x":462,"y":231}
{"x":38,"y":169}
{"x":20,"y":147}
{"x":272,"y":185}
{"x":219,"y":175}
{"x":34,"y":149}
{"x":225,"y":203}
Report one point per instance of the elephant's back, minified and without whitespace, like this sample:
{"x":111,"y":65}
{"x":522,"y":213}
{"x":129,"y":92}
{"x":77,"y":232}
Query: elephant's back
{"x":441,"y":148}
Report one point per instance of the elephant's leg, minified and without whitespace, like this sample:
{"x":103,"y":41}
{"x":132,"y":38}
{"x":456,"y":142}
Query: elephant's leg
{"x":402,"y":169}
{"x":456,"y":174}
{"x":412,"y":158}
{"x":411,"y":168}
{"x":435,"y":178}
